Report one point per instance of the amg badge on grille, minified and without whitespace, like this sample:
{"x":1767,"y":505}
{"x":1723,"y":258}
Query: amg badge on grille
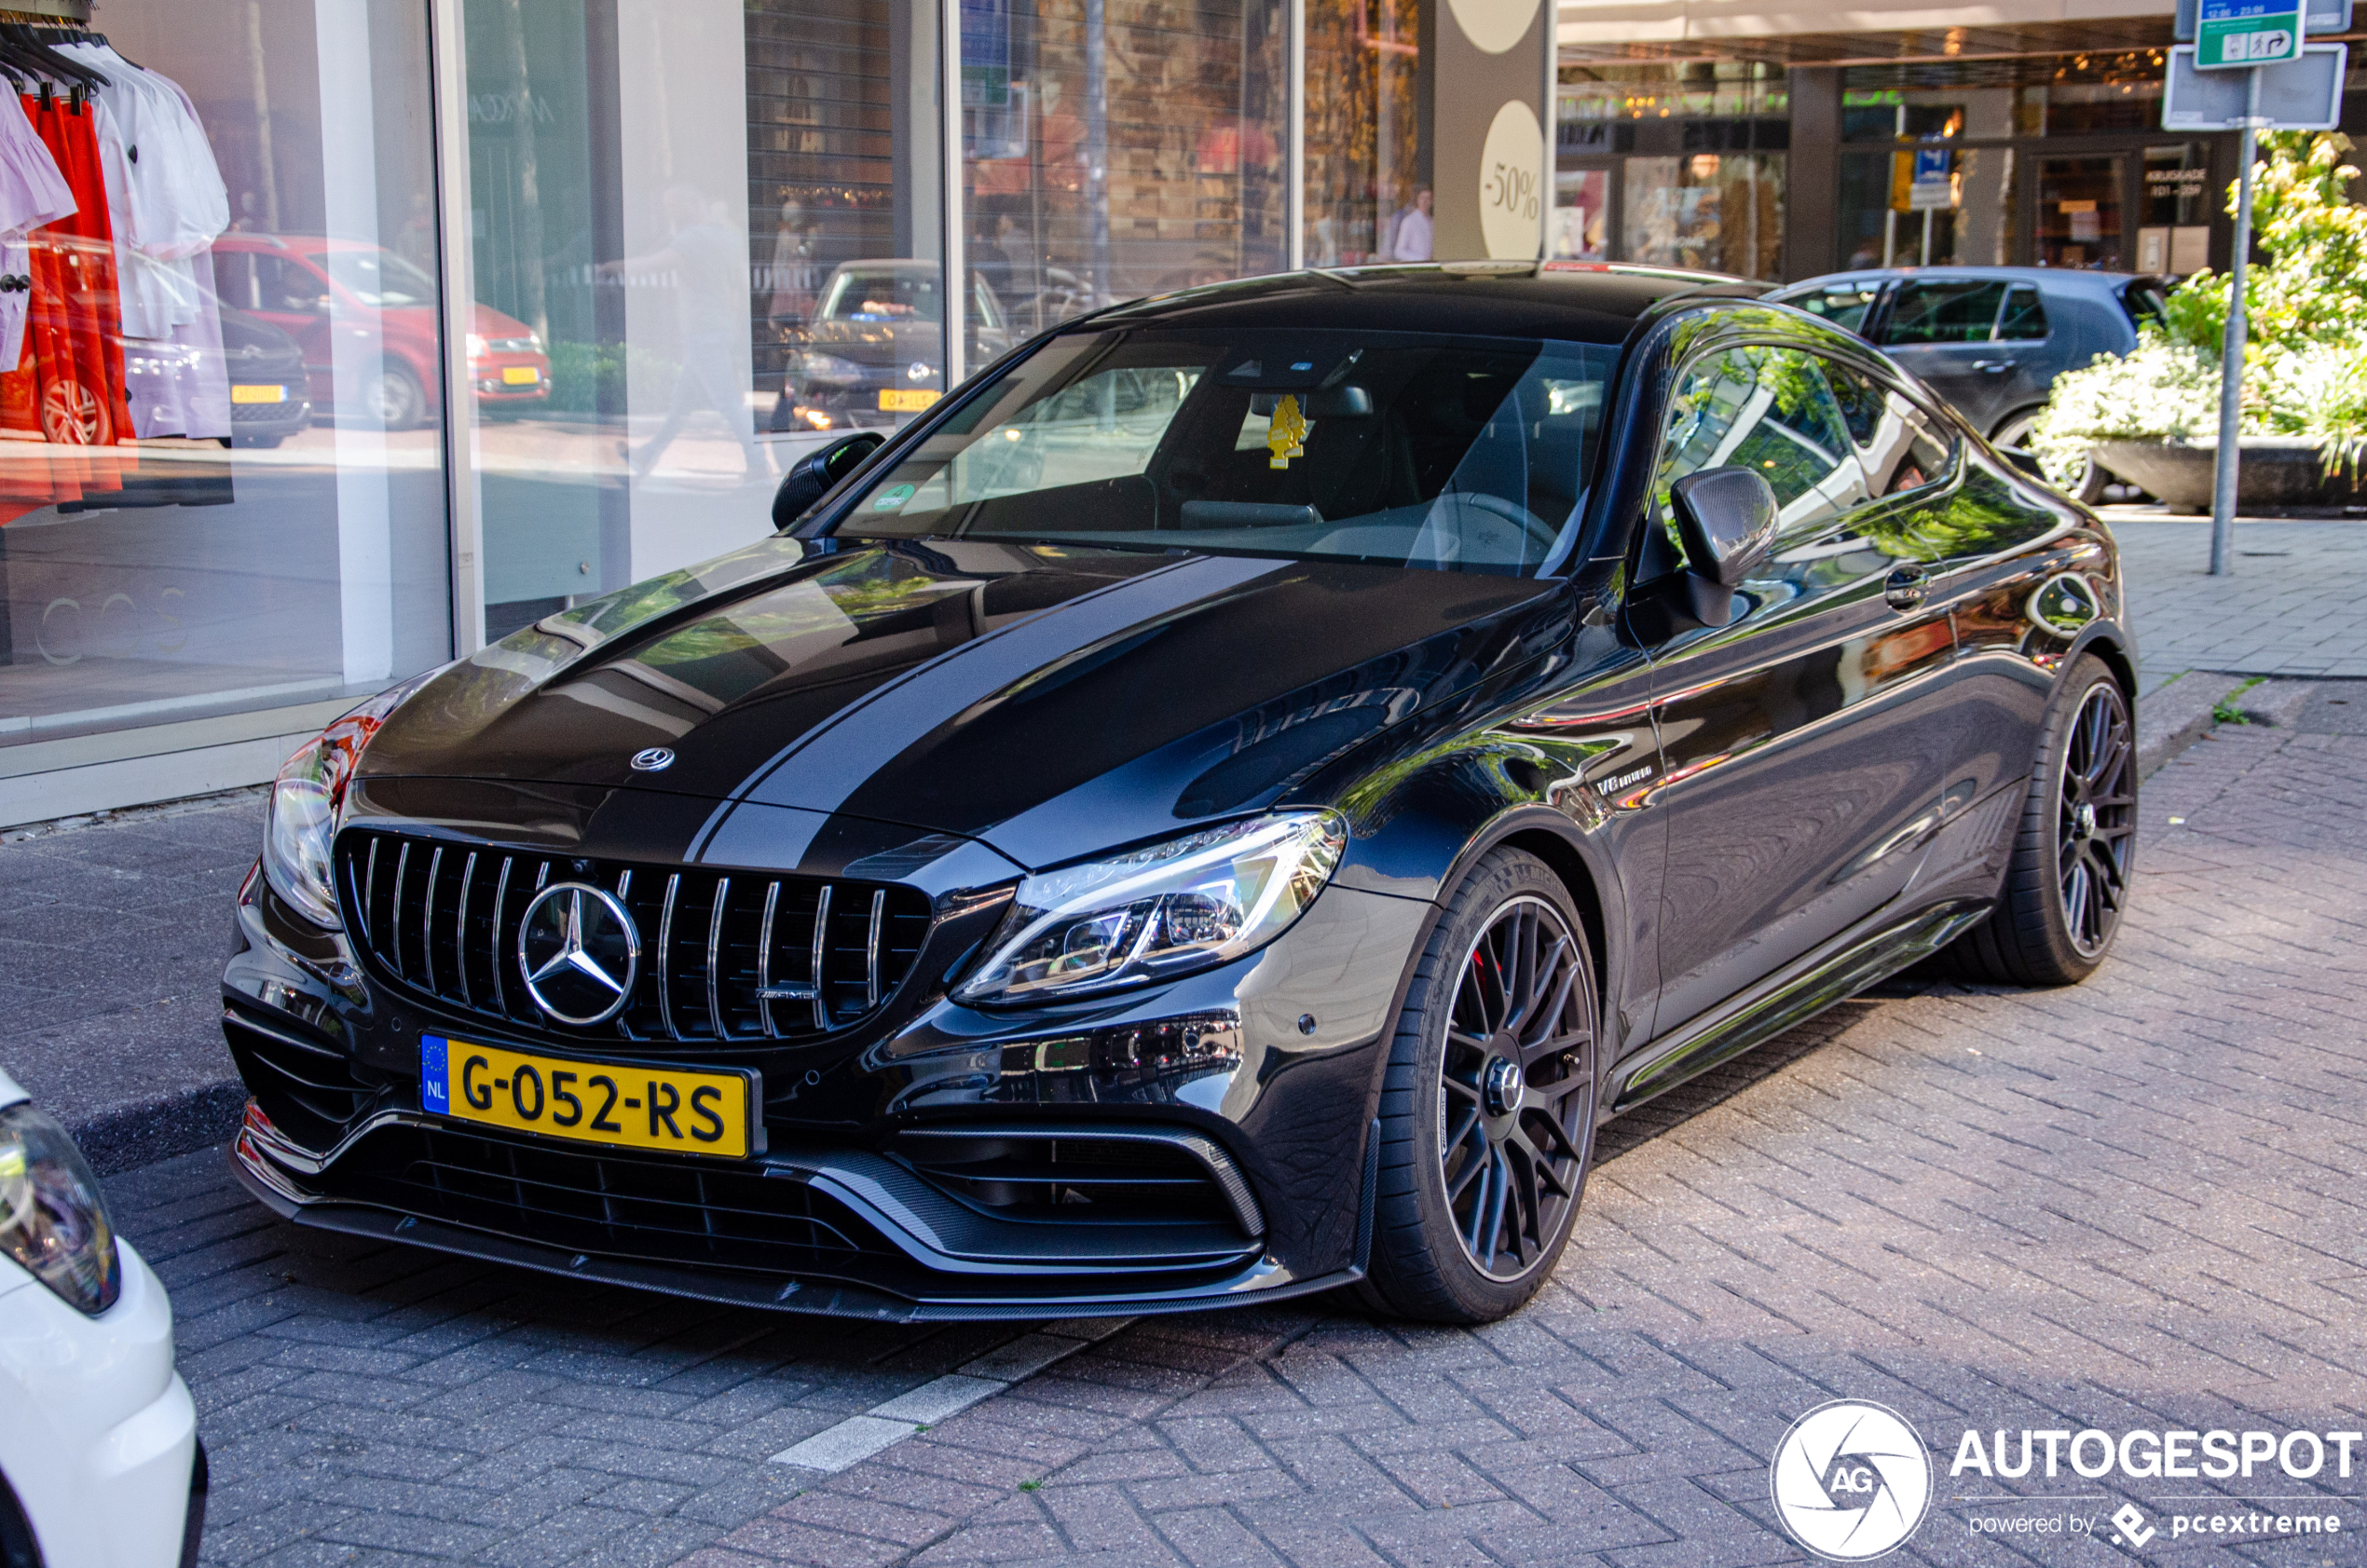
{"x":579,"y":953}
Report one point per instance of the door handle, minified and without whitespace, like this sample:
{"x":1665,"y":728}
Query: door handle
{"x":1904,"y":589}
{"x":1993,"y":367}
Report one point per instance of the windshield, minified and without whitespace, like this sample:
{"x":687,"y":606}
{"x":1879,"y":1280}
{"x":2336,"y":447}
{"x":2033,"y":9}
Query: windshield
{"x":378,"y":277}
{"x":892,"y":293}
{"x":1449,"y":454}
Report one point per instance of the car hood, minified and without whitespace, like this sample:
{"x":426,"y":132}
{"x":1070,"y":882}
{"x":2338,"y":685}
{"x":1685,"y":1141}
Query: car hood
{"x":1047,"y":700}
{"x":876,"y":345}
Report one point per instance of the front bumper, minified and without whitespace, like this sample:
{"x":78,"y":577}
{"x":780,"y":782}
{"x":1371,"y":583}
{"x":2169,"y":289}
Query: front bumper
{"x":838,"y":1233}
{"x":98,"y":1433}
{"x":1188,"y":1149}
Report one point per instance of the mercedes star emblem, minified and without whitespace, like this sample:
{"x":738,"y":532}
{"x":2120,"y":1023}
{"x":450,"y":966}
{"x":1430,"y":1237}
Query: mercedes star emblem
{"x":654,"y":759}
{"x":918,"y":370}
{"x":578,"y":953}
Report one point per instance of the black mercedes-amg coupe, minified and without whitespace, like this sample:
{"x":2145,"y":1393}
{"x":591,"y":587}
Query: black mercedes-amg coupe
{"x":1220,"y":807}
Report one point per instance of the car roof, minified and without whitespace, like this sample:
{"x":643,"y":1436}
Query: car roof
{"x":2055,"y":280}
{"x":1589,"y":302}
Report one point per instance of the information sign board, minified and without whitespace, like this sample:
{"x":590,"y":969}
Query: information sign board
{"x":2233,"y":33}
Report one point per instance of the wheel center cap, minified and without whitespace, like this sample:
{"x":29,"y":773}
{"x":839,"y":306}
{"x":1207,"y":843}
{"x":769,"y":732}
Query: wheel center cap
{"x":2084,"y":820}
{"x":1503,"y":1086}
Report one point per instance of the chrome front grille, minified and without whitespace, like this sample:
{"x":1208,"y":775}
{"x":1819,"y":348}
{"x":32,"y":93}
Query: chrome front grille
{"x":726,"y":955}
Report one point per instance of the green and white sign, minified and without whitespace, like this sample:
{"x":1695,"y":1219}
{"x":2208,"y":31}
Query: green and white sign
{"x":2235,"y":34}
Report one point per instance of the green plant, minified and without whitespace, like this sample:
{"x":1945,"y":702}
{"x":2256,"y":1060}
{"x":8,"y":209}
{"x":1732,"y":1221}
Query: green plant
{"x":587,"y":378}
{"x":2304,"y":369}
{"x":2228,"y":711}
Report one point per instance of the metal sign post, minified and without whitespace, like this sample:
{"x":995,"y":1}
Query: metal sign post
{"x":2247,"y":68}
{"x":2231,"y":357}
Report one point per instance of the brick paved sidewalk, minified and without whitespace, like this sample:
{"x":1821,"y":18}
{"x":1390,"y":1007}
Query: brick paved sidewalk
{"x":2134,"y":1203}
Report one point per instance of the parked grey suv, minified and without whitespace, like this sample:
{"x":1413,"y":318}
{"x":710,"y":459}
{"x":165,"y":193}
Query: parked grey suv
{"x":1988,"y":339}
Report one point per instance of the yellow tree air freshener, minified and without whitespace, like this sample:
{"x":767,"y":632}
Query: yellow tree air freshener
{"x":1286,"y":433}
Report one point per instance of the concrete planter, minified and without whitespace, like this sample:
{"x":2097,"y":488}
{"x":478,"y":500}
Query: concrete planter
{"x":2275,"y":472}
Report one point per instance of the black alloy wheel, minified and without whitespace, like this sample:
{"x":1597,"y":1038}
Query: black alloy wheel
{"x":2071,"y":864}
{"x":1489,"y":1110}
{"x":2096,"y":832}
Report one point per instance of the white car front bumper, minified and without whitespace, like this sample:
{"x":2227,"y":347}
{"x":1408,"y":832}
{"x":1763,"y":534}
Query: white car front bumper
{"x":97,"y":1435}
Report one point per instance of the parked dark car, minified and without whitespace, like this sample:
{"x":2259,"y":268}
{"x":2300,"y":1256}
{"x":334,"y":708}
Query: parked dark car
{"x":270,"y":393}
{"x":1989,"y":339}
{"x":1221,"y":810}
{"x":872,"y":353}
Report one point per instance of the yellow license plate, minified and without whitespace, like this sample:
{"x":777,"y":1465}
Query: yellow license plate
{"x":258,"y":394}
{"x":520,"y":375}
{"x":901,"y":400}
{"x":628,"y":1105}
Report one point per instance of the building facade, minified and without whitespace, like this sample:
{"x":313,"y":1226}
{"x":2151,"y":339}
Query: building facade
{"x":424,"y":318}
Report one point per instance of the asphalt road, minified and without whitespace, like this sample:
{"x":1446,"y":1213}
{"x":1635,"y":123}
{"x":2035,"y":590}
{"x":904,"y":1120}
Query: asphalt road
{"x":2136,"y":1204}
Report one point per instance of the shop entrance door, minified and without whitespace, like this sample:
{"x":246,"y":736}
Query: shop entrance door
{"x":2079,"y":213}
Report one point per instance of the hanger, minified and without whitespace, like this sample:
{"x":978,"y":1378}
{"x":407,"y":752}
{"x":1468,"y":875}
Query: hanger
{"x":34,"y":51}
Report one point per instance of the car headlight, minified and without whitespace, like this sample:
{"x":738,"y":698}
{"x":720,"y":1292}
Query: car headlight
{"x":476,"y":345}
{"x":308,"y":797}
{"x":1149,"y":914}
{"x":52,"y":1220}
{"x":829,"y":368}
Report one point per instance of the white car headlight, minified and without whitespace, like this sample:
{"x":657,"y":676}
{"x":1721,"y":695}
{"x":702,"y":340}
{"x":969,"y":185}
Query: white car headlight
{"x":52,"y":1220}
{"x":1149,"y":914}
{"x":308,"y":799}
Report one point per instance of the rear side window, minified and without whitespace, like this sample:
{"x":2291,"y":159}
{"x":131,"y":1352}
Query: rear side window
{"x":1844,"y":304}
{"x":2147,"y":305}
{"x":1962,"y":311}
{"x":2024,"y":319}
{"x":1901,"y":447}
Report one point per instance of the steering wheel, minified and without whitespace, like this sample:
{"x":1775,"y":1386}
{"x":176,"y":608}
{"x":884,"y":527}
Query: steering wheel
{"x":1538,"y":533}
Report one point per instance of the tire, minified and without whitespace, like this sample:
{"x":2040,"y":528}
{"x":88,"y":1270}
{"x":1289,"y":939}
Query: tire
{"x":391,"y":396}
{"x":1487,"y":1108}
{"x":2087,"y":485}
{"x":2067,"y":883}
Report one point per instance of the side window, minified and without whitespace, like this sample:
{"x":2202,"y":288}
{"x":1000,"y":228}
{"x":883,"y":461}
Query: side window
{"x":1770,"y":410}
{"x":2024,"y":317}
{"x":287,"y":285}
{"x":1902,"y":445}
{"x":1945,"y":312}
{"x":1844,"y":304}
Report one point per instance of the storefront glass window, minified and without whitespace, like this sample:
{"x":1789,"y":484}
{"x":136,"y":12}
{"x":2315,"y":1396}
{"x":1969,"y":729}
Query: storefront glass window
{"x":221,"y":481}
{"x":1114,"y":148}
{"x":1716,"y":211}
{"x":1363,"y":153}
{"x":2079,"y":213}
{"x":1673,"y":165}
{"x":1961,"y":213}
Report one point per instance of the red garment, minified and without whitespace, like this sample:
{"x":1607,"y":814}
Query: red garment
{"x":67,"y":391}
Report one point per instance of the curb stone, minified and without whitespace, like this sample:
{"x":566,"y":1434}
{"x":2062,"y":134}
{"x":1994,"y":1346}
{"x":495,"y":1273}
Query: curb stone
{"x":2177,"y":714}
{"x":2169,"y":719}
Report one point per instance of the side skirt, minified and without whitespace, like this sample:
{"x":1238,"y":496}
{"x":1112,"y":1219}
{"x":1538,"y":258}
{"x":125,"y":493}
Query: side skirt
{"x":1809,"y":987}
